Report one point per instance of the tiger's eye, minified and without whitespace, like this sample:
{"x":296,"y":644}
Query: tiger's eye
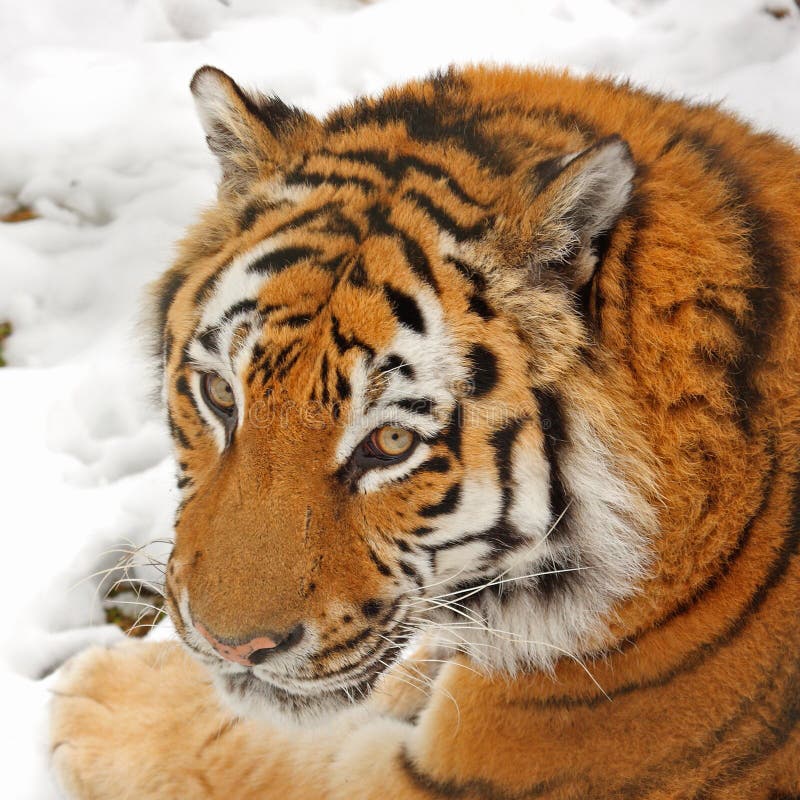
{"x":392,"y":441}
{"x":218,"y":393}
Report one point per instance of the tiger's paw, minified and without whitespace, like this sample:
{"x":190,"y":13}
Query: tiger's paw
{"x":131,"y":721}
{"x":405,"y":689}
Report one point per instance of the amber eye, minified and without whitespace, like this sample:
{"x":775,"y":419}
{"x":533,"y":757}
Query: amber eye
{"x":218,"y":394}
{"x":383,"y":447}
{"x":392,"y":442}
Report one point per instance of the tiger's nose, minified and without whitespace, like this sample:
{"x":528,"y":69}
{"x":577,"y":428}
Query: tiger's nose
{"x":254,"y":651}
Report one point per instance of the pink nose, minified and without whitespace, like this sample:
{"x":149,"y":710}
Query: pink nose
{"x":253,"y":652}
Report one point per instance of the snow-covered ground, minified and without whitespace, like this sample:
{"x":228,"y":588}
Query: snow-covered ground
{"x":98,"y":137}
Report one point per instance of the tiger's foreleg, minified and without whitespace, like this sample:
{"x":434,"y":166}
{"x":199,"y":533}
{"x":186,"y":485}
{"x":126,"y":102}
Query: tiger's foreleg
{"x":143,"y":721}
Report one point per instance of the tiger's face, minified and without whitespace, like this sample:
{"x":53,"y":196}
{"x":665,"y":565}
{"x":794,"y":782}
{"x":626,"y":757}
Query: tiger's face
{"x":386,"y":411}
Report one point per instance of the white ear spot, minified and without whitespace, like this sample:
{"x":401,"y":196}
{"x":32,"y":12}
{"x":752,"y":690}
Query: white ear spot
{"x":212,"y":90}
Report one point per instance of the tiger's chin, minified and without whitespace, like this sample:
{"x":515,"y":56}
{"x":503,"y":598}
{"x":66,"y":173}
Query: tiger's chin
{"x":249,"y":696}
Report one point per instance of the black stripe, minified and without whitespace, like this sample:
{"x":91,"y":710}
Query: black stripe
{"x":280,"y":359}
{"x":555,"y":438}
{"x":338,"y":223}
{"x":323,"y":378}
{"x":446,"y":505}
{"x":446,"y":116}
{"x":469,"y":272}
{"x":465,"y":789}
{"x":452,"y":434}
{"x":278,"y":260}
{"x":503,"y":535}
{"x":349,"y":644}
{"x":379,"y":225}
{"x":333,"y":264}
{"x":183,"y":389}
{"x":381,"y":567}
{"x":295,"y":321}
{"x":270,"y":308}
{"x":774,"y":734}
{"x":167,"y":292}
{"x":178,"y":432}
{"x":434,"y":464}
{"x":405,"y":309}
{"x":209,"y":338}
{"x":253,"y":210}
{"x":752,"y":706}
{"x":638,"y":215}
{"x":395,"y":169}
{"x":546,"y":171}
{"x":168,"y":341}
{"x":342,"y":386}
{"x":276,"y":115}
{"x":242,"y":307}
{"x":768,"y":262}
{"x":438,"y":174}
{"x":483,"y":370}
{"x":284,"y":370}
{"x":394,"y":362}
{"x":344,"y":343}
{"x":306,"y":216}
{"x":417,"y":260}
{"x":312,"y":178}
{"x":410,"y":572}
{"x":434,"y":119}
{"x":444,"y":219}
{"x":502,"y":441}
{"x":477,"y":305}
{"x":206,"y":287}
{"x":357,"y":276}
{"x":416,"y":405}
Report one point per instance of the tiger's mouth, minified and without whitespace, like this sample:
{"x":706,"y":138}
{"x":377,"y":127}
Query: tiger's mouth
{"x":300,"y":691}
{"x":252,"y":696}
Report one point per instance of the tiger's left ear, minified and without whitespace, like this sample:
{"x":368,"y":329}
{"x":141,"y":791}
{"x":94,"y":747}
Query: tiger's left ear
{"x":250,"y":134}
{"x":580,"y":196}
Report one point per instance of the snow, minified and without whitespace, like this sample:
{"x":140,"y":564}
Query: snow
{"x":99,"y":138}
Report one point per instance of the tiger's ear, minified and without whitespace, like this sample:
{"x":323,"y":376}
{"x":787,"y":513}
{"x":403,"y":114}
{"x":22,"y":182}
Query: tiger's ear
{"x":580,"y":196}
{"x":249,"y":133}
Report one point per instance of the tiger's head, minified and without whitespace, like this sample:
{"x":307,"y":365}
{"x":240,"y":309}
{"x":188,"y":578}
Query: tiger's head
{"x":389,"y":403}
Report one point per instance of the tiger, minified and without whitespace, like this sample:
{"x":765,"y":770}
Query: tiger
{"x":485,"y":403}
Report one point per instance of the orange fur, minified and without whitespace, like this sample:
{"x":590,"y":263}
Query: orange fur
{"x":684,"y":360}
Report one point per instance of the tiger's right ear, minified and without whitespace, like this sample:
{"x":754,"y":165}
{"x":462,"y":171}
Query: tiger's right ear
{"x":249,"y":133}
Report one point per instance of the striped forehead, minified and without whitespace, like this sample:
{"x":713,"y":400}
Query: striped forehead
{"x":231,"y":310}
{"x":275,"y":300}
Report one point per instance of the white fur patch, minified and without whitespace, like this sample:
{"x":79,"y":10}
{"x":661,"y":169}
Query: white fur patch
{"x":437,"y":371}
{"x":607,"y":544}
{"x":234,"y":285}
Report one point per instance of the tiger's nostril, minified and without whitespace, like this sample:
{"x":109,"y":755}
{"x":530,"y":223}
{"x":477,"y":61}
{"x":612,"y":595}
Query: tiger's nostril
{"x":253,"y":651}
{"x":290,"y":640}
